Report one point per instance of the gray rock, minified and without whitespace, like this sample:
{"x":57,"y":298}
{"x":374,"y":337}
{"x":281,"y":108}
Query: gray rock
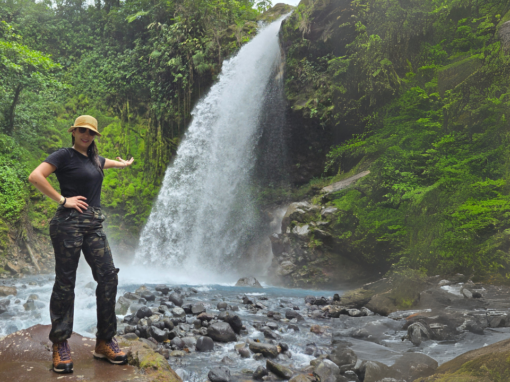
{"x":189,"y":342}
{"x":3,"y":305}
{"x":286,"y":268}
{"x":221,"y":332}
{"x":351,"y":376}
{"x":149,"y":296}
{"x":144,"y":312}
{"x":467,"y":293}
{"x":267,"y":350}
{"x":131,"y":296}
{"x":8,"y":291}
{"x":329,"y":211}
{"x":143,"y":288}
{"x":197,"y":308}
{"x":374,"y":371}
{"x":219,"y":374}
{"x":290,"y":314}
{"x":414,"y":366}
{"x":122,"y":306}
{"x":158,"y":334}
{"x":244,"y":352}
{"x":300,"y":378}
{"x":259,"y":373}
{"x":504,"y":36}
{"x":418,"y":332}
{"x":163,"y":289}
{"x":248,"y":282}
{"x":177,"y":342}
{"x":178,"y":312}
{"x":326,"y":371}
{"x":176,"y":298}
{"x":355,"y":312}
{"x":204,"y":344}
{"x":29,"y":305}
{"x":222,"y":305}
{"x":235,"y":323}
{"x":344,"y":358}
{"x":280,"y":370}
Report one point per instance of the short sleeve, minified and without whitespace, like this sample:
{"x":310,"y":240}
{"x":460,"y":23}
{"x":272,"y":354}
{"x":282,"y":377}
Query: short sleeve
{"x":102,"y":160}
{"x":58,"y":158}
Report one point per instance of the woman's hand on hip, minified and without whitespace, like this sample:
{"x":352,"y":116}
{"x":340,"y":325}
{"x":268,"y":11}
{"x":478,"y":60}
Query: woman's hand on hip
{"x":76,"y":202}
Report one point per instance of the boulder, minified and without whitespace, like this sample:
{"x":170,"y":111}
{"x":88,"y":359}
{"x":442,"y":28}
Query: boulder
{"x":204,"y":343}
{"x":291,"y":314}
{"x":163,"y":289}
{"x":8,"y":291}
{"x":374,"y":371}
{"x":299,"y":212}
{"x":143,"y":312}
{"x":344,"y":358}
{"x":244,"y":352}
{"x":158,"y":334}
{"x":29,"y":305}
{"x":131,"y":296}
{"x":301,"y":232}
{"x":235,"y":322}
{"x":221,"y":332}
{"x":248,"y":282}
{"x":280,"y":370}
{"x":149,"y":296}
{"x":327,"y":371}
{"x":3,"y":305}
{"x":177,"y":342}
{"x":197,"y":308}
{"x":178,"y":312}
{"x":142,"y":289}
{"x":382,"y":304}
{"x":122,"y":306}
{"x":222,"y":305}
{"x":415,"y":365}
{"x":504,"y":36}
{"x":259,"y":373}
{"x":267,"y":350}
{"x":189,"y":342}
{"x":219,"y":374}
{"x":176,"y":298}
{"x":357,"y":298}
{"x":418,"y":332}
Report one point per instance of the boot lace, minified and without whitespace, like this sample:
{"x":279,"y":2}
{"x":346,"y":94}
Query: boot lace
{"x":112,"y":344}
{"x":64,"y":351}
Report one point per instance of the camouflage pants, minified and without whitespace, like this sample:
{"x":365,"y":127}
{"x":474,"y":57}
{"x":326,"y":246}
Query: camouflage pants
{"x":72,"y":232}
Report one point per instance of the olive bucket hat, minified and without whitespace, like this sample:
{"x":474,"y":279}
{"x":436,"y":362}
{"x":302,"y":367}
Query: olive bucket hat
{"x":86,"y":121}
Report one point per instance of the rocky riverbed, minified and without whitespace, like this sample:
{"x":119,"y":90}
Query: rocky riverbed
{"x":229,"y":333}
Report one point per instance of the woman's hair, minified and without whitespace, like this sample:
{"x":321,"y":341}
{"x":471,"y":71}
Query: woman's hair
{"x":93,"y":155}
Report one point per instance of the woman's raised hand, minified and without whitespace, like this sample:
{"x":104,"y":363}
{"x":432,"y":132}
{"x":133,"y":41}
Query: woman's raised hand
{"x":76,"y":202}
{"x":126,"y":163}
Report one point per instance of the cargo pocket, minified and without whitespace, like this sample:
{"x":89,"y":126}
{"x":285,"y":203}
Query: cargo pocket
{"x":73,"y":243}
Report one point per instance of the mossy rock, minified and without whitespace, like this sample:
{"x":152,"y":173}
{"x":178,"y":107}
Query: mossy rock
{"x":452,"y":75}
{"x":488,"y":364}
{"x":357,"y":298}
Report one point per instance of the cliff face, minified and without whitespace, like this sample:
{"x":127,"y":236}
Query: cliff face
{"x":314,"y":33}
{"x":417,"y":93}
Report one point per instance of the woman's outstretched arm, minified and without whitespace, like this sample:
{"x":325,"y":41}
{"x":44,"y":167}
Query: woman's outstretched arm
{"x":38,"y":179}
{"x":119,"y":163}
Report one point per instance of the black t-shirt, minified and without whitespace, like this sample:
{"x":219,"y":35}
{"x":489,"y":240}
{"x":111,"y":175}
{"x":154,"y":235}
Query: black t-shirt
{"x":77,"y":175}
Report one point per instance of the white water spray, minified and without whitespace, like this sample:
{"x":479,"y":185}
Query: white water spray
{"x":205,"y":208}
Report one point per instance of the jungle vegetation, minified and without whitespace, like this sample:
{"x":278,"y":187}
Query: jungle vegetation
{"x":426,"y":83}
{"x":138,"y":66}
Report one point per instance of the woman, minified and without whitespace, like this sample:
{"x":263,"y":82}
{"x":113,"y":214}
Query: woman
{"x":77,"y":226}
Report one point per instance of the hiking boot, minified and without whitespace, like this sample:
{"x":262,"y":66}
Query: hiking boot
{"x":62,"y":362}
{"x":110,"y":351}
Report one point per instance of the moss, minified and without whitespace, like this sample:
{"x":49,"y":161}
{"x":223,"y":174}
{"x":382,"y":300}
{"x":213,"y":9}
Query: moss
{"x":452,"y":75}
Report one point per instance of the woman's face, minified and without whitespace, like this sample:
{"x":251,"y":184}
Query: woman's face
{"x":83,"y":140}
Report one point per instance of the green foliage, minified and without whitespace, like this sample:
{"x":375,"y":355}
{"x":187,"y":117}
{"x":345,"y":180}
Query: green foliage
{"x":427,"y":86}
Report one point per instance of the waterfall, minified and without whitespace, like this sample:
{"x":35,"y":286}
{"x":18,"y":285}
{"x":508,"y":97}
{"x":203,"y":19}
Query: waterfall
{"x":205,"y":209}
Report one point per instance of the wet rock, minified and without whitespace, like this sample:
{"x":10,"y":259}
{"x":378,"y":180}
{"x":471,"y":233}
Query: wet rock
{"x":344,"y":358}
{"x":301,"y":232}
{"x":327,"y":371}
{"x":351,"y":376}
{"x":168,"y":323}
{"x":235,"y":323}
{"x":279,"y":370}
{"x":467,"y":293}
{"x":8,"y":291}
{"x":244,"y":352}
{"x":131,"y":296}
{"x":186,"y":308}
{"x":354,"y":313}
{"x":29,"y":305}
{"x":122,"y":305}
{"x":148,"y":296}
{"x":286,"y":268}
{"x":227,"y":361}
{"x":418,"y":332}
{"x":444,"y":282}
{"x":177,"y":354}
{"x":329,"y":211}
{"x":498,"y":322}
{"x":259,"y":373}
{"x":33,"y":296}
{"x":205,"y":317}
{"x":221,"y":332}
{"x":373,"y":371}
{"x":176,"y":298}
{"x":142,"y":289}
{"x":317,"y":329}
{"x":267,"y":350}
{"x":177,"y":342}
{"x":415,"y":365}
{"x":189,"y":342}
{"x":290,"y":314}
{"x":477,"y":294}
{"x":204,"y":344}
{"x":300,"y":378}
{"x":144,"y":312}
{"x":168,"y":304}
{"x":222,"y":305}
{"x":158,"y":334}
{"x":382,"y":304}
{"x":268,"y":333}
{"x":3,"y":305}
{"x":248,"y":282}
{"x":272,"y":325}
{"x":247,"y":300}
{"x":197,"y":308}
{"x":178,"y":312}
{"x":163,"y":289}
{"x":299,"y":212}
{"x":357,"y":298}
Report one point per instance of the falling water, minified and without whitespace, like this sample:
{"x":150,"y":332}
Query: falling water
{"x":205,"y":210}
